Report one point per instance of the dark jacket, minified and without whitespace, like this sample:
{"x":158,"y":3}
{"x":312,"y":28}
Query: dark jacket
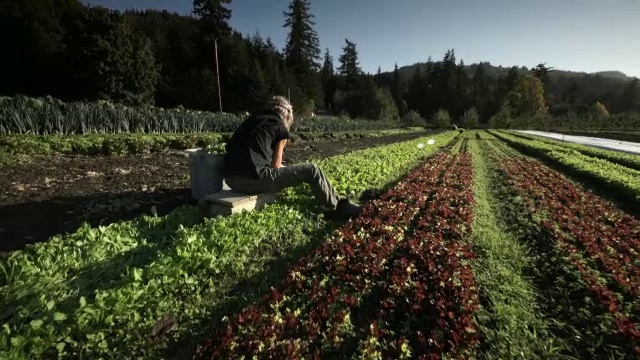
{"x":250,"y":149}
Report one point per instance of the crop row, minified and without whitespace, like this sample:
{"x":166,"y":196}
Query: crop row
{"x":48,"y":116}
{"x":89,"y":293}
{"x":392,"y":283}
{"x":601,"y":242}
{"x":140,"y":143}
{"x":619,"y":179}
{"x":628,"y":160}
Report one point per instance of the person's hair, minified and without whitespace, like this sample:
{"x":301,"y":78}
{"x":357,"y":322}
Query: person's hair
{"x":282,"y":107}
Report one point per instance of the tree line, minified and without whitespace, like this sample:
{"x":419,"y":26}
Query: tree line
{"x":74,"y":52}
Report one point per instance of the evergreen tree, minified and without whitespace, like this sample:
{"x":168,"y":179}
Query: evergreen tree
{"x":302,"y":50}
{"x":374,"y":102}
{"x":441,"y":119}
{"x":272,"y":67}
{"x":462,"y":91}
{"x":380,"y":78}
{"x":512,"y":78}
{"x":398,"y":91}
{"x":214,"y":18}
{"x":502,"y":119}
{"x":213,"y":26}
{"x":481,"y":92}
{"x":258,"y":46}
{"x":447,"y":86}
{"x":630,"y":99}
{"x":349,"y":66}
{"x":506,"y":85}
{"x":235,"y":68}
{"x":570,"y":95}
{"x":34,"y":53}
{"x":109,"y":60}
{"x":327,"y":66}
{"x":418,"y":91}
{"x":197,"y":89}
{"x":471,"y":118}
{"x":271,"y":48}
{"x":541,"y":71}
{"x":327,"y":75}
{"x":258,"y":86}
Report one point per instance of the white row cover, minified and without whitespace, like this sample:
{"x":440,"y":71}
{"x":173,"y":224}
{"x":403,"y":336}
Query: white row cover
{"x":608,"y":144}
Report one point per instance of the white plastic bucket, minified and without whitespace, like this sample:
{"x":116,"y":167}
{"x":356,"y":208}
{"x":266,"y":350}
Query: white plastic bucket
{"x":206,"y":173}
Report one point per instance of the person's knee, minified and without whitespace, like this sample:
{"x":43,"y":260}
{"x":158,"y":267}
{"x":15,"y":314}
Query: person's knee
{"x":315,"y":171}
{"x":310,"y":171}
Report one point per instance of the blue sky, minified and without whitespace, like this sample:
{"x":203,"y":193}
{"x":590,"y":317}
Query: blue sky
{"x":578,"y":35}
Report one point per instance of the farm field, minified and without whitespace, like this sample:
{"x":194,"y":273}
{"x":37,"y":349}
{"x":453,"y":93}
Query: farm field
{"x":67,"y":190}
{"x":486,"y":245}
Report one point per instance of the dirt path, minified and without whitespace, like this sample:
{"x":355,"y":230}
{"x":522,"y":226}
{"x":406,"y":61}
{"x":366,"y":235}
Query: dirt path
{"x":56,"y":194}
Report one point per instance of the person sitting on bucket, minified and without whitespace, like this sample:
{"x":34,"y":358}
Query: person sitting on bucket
{"x":253,"y":162}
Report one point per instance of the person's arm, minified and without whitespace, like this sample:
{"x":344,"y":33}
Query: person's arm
{"x":276,"y":163}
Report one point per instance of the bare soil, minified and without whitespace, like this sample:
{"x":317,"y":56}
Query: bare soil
{"x":48,"y":195}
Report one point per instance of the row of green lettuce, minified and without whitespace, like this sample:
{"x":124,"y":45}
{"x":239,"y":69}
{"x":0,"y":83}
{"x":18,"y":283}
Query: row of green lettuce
{"x":49,"y":116}
{"x":134,"y":144}
{"x":628,"y":160}
{"x":107,"y":292}
{"x":621,"y":181}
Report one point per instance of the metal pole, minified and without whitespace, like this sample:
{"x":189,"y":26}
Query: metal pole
{"x":218,"y":75}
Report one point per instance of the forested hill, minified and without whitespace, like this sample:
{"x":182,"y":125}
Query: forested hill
{"x":561,"y":86}
{"x":556,"y":74}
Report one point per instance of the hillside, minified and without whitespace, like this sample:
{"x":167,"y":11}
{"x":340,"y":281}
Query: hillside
{"x":499,"y":70}
{"x":586,"y":88}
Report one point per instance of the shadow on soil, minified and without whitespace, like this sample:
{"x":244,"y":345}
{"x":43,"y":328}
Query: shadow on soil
{"x":33,"y":222}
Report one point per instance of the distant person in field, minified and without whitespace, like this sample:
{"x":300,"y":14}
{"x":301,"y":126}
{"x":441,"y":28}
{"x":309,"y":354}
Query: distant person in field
{"x":253,"y":162}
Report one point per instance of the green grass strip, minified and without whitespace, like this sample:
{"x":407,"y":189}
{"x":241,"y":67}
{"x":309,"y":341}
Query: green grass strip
{"x":509,"y":316}
{"x":103,"y":292}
